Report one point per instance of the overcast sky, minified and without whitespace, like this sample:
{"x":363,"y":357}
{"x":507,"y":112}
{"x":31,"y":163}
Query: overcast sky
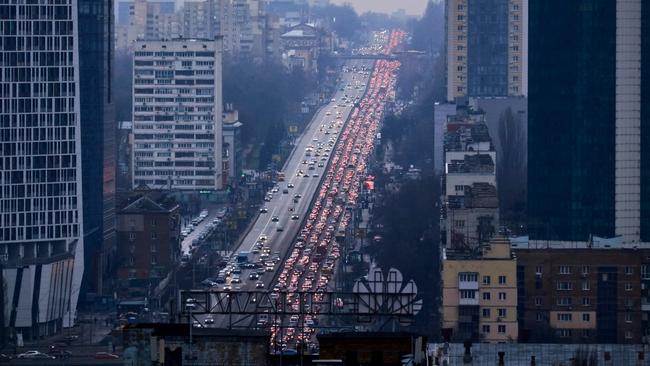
{"x":412,"y":7}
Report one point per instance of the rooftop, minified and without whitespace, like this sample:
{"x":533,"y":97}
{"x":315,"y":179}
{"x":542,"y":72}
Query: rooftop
{"x":475,"y":163}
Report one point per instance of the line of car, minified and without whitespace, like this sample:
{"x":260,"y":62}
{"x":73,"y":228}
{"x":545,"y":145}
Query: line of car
{"x":312,"y":261}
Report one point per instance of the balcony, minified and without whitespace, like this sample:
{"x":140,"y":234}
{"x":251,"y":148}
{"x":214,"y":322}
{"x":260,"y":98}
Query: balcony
{"x":468,"y":285}
{"x":468,"y":301}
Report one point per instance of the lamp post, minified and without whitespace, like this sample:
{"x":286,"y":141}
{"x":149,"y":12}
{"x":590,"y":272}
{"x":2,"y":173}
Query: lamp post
{"x":190,"y":305}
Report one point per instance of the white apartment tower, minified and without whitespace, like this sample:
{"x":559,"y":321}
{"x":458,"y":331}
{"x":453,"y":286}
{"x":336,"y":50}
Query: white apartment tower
{"x":177,"y":114}
{"x":487,"y":48}
{"x":41,"y":241}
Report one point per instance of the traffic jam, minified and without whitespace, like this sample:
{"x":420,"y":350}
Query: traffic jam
{"x":311,"y":264}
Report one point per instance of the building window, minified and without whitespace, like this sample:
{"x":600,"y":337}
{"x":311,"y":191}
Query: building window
{"x":538,"y":301}
{"x":539,"y":316}
{"x":564,"y":333}
{"x":131,"y":260}
{"x":154,"y":222}
{"x":486,"y":328}
{"x":132,"y":236}
{"x":468,"y":277}
{"x":502,"y":295}
{"x":586,"y":301}
{"x":564,"y":301}
{"x":628,"y":317}
{"x":628,"y":334}
{"x":486,"y":296}
{"x":645,"y":271}
{"x":486,"y":280}
{"x":585,"y":286}
{"x":467,"y":294}
{"x":132,"y":273}
{"x":628,"y":286}
{"x":502,"y":280}
{"x":502,"y":313}
{"x":564,"y":285}
{"x":565,"y":270}
{"x":154,"y":260}
{"x":564,"y":317}
{"x":586,"y":333}
{"x":459,"y":188}
{"x":586,"y":317}
{"x":486,"y":313}
{"x":154,"y":248}
{"x":459,"y":223}
{"x":538,"y":270}
{"x":154,"y":235}
{"x":628,"y":270}
{"x":629,"y":302}
{"x":501,"y":329}
{"x":585,"y":270}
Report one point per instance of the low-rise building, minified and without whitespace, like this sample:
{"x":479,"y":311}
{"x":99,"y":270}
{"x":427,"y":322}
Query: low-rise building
{"x":479,"y":293}
{"x":148,"y":232}
{"x":583,"y":294}
{"x":301,"y":45}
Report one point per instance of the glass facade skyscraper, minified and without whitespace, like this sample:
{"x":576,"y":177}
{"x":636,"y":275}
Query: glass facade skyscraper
{"x":586,"y":137}
{"x":98,"y":134}
{"x":41,"y":206}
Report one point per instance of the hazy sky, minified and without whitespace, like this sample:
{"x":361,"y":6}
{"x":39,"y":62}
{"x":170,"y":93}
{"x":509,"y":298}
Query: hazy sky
{"x":412,"y":7}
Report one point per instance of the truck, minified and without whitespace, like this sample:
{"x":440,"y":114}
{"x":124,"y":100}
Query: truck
{"x":243,"y":256}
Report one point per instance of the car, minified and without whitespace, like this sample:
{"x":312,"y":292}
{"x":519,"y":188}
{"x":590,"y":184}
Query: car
{"x":255,"y":250}
{"x":259,"y":284}
{"x":5,"y":358}
{"x":263,"y":237}
{"x":60,"y":353}
{"x":275,"y":219}
{"x":297,"y":196}
{"x":106,"y":356}
{"x":290,"y":185}
{"x":35,"y":355}
{"x":275,"y":190}
{"x":294,"y":217}
{"x":235,"y":279}
{"x":285,"y":191}
{"x":315,"y":175}
{"x":209,"y":320}
{"x":268,"y":199}
{"x":264,"y":210}
{"x":253,"y":276}
{"x":227,"y":288}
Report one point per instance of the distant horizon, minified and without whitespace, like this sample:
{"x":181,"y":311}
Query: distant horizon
{"x":412,"y":7}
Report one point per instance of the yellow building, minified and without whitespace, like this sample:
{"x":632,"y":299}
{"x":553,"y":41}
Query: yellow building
{"x":479,"y":294}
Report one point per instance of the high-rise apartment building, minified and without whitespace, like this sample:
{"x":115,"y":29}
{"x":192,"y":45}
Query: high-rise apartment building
{"x":41,"y":206}
{"x":486,"y":48}
{"x":589,"y":126}
{"x":146,"y":20}
{"x":177,"y":115}
{"x":241,"y":23}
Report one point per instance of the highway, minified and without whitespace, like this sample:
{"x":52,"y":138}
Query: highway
{"x":300,"y":181}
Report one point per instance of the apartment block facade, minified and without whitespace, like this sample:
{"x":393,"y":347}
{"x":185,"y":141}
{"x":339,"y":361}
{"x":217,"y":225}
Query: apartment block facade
{"x":583,"y":295}
{"x":479,"y":294}
{"x":470,"y":215}
{"x":177,"y":115}
{"x":41,"y":209}
{"x":486,"y":45}
{"x":148,"y":231}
